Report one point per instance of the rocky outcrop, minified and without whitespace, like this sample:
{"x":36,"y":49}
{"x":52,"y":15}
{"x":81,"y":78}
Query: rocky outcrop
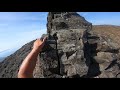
{"x":105,"y":53}
{"x":64,"y":55}
{"x":72,"y":50}
{"x":66,"y":20}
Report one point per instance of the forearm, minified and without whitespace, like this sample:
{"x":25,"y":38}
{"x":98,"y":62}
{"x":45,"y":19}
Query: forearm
{"x":28,"y":65}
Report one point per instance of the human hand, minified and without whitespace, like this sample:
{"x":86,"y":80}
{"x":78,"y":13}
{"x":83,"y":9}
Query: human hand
{"x":38,"y":44}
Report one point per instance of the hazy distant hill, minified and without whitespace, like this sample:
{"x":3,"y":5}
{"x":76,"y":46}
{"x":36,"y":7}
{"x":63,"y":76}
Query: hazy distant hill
{"x":13,"y":61}
{"x":2,"y":58}
{"x":6,"y":53}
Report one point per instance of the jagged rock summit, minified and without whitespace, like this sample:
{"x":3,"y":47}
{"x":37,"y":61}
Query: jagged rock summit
{"x":72,"y":50}
{"x":66,"y":20}
{"x":64,"y":55}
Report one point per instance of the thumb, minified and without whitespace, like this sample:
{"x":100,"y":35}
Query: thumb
{"x":45,"y":38}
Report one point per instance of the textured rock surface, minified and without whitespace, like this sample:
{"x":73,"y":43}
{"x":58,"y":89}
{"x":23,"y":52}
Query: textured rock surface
{"x":66,"y":20}
{"x":72,"y":50}
{"x":107,"y":53}
{"x":104,"y":52}
{"x":66,"y":32}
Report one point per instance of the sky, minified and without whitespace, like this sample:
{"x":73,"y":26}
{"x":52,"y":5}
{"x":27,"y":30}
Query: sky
{"x":19,"y":28}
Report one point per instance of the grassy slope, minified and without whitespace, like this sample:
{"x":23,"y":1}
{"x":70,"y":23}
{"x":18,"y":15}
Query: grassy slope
{"x":110,"y":31}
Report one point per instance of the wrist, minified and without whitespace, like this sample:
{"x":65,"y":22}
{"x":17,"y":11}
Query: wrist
{"x":36,"y":50}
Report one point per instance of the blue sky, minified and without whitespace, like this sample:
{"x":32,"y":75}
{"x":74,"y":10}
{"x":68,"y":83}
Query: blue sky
{"x":19,"y":28}
{"x":98,"y":18}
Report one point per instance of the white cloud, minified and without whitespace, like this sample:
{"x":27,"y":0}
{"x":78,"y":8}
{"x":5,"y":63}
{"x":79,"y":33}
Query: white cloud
{"x":18,"y":16}
{"x":20,"y":32}
{"x":32,"y":34}
{"x":3,"y":24}
{"x":19,"y":39}
{"x":111,"y":21}
{"x":83,"y":13}
{"x":26,"y":37}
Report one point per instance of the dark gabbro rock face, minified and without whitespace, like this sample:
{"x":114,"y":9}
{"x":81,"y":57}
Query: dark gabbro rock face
{"x":66,"y":36}
{"x":66,"y":20}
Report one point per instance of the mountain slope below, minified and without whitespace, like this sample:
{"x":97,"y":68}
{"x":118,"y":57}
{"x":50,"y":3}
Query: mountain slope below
{"x":9,"y":67}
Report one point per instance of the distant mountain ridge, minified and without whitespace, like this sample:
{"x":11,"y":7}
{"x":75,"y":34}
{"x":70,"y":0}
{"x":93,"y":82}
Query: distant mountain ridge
{"x":2,"y":58}
{"x":5,"y":53}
